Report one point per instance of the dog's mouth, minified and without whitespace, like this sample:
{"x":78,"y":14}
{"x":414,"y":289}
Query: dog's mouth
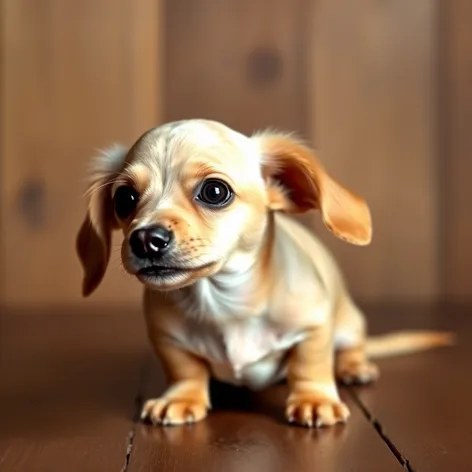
{"x":166,"y":271}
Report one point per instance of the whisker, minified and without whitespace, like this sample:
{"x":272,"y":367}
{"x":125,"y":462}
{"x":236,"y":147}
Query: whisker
{"x":95,"y":188}
{"x":117,"y":261}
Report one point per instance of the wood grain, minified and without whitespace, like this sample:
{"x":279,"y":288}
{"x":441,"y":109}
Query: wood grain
{"x":382,"y":88}
{"x":68,"y":389}
{"x":373,"y":122}
{"x":240,"y":62}
{"x":455,"y":68}
{"x":422,"y":401}
{"x":75,"y":77}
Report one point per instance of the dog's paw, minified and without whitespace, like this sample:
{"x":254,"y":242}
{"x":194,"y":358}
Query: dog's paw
{"x":357,"y":373}
{"x":173,"y":411}
{"x":316,"y":412}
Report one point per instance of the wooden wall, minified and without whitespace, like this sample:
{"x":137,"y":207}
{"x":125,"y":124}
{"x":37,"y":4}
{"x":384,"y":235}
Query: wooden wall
{"x":76,"y":76}
{"x":374,"y":123}
{"x":381,"y":88}
{"x":455,"y":126}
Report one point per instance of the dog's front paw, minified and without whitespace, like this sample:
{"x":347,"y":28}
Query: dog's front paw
{"x":358,"y":373}
{"x":316,"y":412}
{"x":174,"y":411}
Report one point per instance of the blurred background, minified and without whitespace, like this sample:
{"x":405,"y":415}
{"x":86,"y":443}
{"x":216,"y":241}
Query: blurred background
{"x":382,"y":89}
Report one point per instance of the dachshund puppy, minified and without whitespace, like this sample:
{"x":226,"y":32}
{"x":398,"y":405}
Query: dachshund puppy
{"x":234,"y":287}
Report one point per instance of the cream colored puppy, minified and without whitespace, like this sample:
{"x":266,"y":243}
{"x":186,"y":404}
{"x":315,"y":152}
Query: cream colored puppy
{"x":234,"y":288}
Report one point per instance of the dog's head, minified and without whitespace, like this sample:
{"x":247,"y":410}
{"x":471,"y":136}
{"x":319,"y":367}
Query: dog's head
{"x":193,"y":197}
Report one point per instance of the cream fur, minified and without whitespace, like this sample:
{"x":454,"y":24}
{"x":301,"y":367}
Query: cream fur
{"x":255,"y":297}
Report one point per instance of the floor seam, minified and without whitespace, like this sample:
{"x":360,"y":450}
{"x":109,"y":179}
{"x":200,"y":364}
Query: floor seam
{"x":138,"y":403}
{"x":404,"y":462}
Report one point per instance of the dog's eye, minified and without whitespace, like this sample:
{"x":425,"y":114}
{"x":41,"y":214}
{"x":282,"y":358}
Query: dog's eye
{"x":215,"y":193}
{"x":125,"y":200}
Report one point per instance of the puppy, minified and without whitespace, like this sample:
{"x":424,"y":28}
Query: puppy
{"x":234,"y":287}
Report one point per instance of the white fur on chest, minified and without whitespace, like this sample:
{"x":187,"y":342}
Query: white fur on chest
{"x":247,"y":351}
{"x":251,"y":340}
{"x":243,"y":338}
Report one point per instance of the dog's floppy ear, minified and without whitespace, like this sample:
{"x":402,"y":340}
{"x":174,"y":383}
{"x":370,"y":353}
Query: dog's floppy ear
{"x":94,"y":238}
{"x":297,"y":182}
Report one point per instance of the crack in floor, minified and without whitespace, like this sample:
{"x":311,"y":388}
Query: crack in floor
{"x":404,"y":462}
{"x":138,"y":403}
{"x":129,"y":448}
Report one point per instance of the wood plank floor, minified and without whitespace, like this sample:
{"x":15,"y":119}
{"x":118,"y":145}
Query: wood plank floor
{"x":71,"y":385}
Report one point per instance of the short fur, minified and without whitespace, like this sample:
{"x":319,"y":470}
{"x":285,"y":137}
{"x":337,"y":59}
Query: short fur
{"x":262,"y":299}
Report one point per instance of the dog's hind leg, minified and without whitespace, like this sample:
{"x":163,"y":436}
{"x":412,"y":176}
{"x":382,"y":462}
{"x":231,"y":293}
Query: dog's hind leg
{"x":351,"y":364}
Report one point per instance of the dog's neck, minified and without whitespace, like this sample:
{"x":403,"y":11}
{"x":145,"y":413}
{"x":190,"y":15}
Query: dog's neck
{"x":239,"y":289}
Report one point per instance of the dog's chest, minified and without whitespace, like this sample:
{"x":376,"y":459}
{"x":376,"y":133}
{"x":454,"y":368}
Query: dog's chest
{"x":243,"y":351}
{"x":243,"y":338}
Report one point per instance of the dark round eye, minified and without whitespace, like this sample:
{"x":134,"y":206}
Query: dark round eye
{"x":215,"y":193}
{"x":125,"y":200}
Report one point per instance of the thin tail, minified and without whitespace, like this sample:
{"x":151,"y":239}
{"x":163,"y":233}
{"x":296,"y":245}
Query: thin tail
{"x":407,"y":342}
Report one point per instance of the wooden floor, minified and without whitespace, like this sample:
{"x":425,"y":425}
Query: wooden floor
{"x":72,"y":384}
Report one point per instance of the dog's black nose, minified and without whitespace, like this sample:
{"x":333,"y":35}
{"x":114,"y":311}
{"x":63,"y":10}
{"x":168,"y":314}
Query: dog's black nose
{"x":151,"y":242}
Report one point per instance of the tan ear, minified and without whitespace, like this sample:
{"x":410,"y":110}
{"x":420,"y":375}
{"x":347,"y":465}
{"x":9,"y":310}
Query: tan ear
{"x":93,"y":241}
{"x":93,"y":246}
{"x":297,"y":182}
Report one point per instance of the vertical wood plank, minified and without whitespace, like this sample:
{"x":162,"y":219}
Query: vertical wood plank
{"x":242,"y":62}
{"x":76,"y":76}
{"x":374,"y":123}
{"x":456,"y":145}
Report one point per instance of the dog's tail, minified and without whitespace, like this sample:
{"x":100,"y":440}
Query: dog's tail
{"x":407,"y":342}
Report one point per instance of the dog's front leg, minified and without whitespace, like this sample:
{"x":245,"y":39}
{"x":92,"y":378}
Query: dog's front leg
{"x":313,"y":396}
{"x":186,"y":400}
